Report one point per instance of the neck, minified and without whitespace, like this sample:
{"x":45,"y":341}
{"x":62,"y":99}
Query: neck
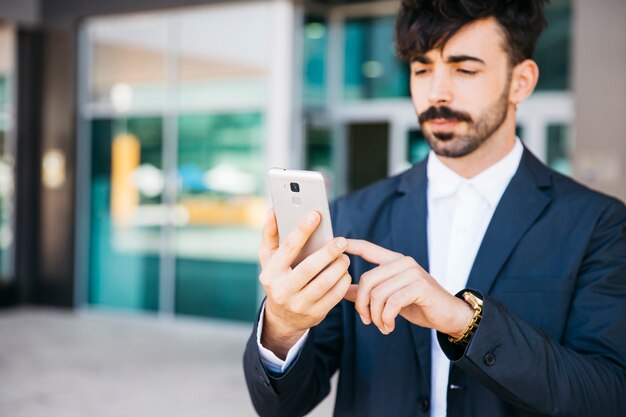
{"x":488,"y":153}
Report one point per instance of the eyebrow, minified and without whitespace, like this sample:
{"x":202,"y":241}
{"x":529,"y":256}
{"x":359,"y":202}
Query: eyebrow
{"x":452,"y":59}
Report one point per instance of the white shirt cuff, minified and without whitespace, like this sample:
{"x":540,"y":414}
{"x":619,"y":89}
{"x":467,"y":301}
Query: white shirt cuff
{"x":269,"y":360}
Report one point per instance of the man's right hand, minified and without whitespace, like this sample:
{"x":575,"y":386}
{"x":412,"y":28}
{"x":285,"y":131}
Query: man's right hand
{"x":298,"y":298}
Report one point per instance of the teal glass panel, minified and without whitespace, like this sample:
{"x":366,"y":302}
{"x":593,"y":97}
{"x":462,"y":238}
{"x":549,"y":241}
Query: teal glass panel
{"x":319,"y":156}
{"x":4,"y":93}
{"x":126,"y":213}
{"x":553,"y":48}
{"x":371,"y":69}
{"x":220,"y":158}
{"x":7,"y":183}
{"x":319,"y":149}
{"x":558,"y":149}
{"x":7,"y":153}
{"x":315,"y":51}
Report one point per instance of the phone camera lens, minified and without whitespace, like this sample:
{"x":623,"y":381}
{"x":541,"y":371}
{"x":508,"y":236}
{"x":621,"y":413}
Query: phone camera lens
{"x":295,"y":187}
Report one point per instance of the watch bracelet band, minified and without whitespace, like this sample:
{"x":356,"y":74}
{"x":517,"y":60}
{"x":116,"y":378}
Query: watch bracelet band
{"x":477,"y":304}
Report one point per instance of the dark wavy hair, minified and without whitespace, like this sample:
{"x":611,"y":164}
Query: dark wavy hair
{"x":423,"y":25}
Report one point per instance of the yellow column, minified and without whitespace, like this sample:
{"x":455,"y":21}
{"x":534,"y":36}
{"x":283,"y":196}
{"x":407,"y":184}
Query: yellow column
{"x":126,"y":156}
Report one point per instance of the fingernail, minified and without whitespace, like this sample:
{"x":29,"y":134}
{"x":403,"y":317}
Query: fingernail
{"x":341,"y":243}
{"x":311,"y":218}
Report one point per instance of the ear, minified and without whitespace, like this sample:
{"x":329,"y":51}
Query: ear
{"x":524,"y":80}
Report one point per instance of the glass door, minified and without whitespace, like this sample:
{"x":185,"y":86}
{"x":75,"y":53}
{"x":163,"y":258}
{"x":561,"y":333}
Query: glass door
{"x":175,"y":116}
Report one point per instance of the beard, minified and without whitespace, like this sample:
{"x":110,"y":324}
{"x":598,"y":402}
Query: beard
{"x":453,"y":145}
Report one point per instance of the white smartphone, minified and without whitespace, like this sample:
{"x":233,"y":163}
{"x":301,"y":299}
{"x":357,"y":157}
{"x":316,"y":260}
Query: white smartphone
{"x":294,"y":194}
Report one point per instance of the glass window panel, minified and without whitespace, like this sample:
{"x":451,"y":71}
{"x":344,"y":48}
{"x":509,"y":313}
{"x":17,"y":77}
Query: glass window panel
{"x":128,"y":61}
{"x":7,"y":154}
{"x":417,"y":146}
{"x":371,"y":69}
{"x":220,"y":158}
{"x":319,"y":156}
{"x":231,"y":70}
{"x":314,"y":64}
{"x":126,"y":212}
{"x":553,"y":48}
{"x":558,"y":149}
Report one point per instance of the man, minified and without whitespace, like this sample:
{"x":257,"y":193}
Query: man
{"x":480,"y":283}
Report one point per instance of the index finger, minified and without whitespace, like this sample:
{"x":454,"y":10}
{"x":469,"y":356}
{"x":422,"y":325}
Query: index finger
{"x":372,"y":252}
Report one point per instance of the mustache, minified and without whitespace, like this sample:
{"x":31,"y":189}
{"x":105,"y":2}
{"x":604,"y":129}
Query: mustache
{"x":444,"y":112}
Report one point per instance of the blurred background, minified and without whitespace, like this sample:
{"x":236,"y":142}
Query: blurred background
{"x":134,"y":140}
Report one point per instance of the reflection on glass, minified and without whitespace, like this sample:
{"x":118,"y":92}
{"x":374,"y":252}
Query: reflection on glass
{"x":126,"y":212}
{"x":128,"y":61}
{"x":220,"y":163}
{"x":314,"y":63}
{"x":371,"y":69}
{"x":7,"y":156}
{"x":558,"y":150}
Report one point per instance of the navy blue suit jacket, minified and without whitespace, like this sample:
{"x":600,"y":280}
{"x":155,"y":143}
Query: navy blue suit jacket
{"x":552,"y":341}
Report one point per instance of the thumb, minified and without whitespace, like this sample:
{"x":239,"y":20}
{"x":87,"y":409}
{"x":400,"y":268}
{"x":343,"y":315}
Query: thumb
{"x":351,"y":294}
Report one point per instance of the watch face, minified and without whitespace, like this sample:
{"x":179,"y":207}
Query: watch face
{"x":473,"y":300}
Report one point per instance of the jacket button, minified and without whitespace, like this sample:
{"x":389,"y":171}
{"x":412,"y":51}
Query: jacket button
{"x":490,"y":359}
{"x":424,"y":404}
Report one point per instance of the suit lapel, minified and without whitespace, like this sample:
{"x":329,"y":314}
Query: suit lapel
{"x":408,"y":236}
{"x":520,"y":206}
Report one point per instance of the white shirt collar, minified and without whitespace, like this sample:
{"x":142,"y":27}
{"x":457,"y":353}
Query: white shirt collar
{"x":490,"y":183}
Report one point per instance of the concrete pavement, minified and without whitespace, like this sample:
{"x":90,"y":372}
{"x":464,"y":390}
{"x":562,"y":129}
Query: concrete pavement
{"x":108,"y":364}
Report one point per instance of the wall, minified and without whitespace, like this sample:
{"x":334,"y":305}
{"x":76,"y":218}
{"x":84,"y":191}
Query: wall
{"x":599,"y":85}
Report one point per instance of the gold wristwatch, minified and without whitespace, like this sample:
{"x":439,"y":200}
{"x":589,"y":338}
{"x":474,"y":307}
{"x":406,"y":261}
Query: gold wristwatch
{"x":477,"y":305}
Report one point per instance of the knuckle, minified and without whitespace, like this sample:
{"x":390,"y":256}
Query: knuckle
{"x":365,"y":278}
{"x":288,"y":244}
{"x":410,"y":261}
{"x":298,"y":307}
{"x":393,"y":302}
{"x":375,"y":295}
{"x":332,"y":249}
{"x":316,"y":312}
{"x":279,"y":298}
{"x":341,"y":264}
{"x":303,"y":227}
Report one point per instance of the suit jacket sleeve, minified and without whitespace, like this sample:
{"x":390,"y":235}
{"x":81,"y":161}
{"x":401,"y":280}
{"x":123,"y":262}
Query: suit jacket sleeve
{"x":583,"y":374}
{"x":307,"y":381}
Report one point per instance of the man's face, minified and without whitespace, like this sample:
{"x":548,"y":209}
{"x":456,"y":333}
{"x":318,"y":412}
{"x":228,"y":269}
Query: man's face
{"x":461,"y":92}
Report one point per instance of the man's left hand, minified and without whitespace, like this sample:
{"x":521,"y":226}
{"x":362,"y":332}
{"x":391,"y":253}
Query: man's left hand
{"x":400,"y":286}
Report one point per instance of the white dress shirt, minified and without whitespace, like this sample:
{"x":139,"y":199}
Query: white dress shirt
{"x":459,"y":210}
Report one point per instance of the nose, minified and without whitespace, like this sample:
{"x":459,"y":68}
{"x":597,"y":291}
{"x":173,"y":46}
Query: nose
{"x":440,"y":91}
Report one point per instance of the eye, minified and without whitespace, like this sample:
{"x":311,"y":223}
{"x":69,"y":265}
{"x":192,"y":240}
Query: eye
{"x":419,"y":72}
{"x":467,"y":71}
